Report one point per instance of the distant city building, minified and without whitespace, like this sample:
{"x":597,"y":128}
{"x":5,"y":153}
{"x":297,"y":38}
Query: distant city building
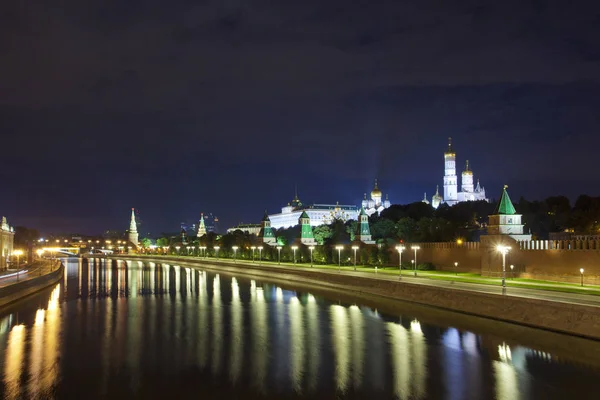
{"x":468,"y":192}
{"x":375,"y":205}
{"x":252,"y":229}
{"x":201,"y":226}
{"x":318,"y":214}
{"x":506,"y":221}
{"x":7,"y":237}
{"x":133,"y":233}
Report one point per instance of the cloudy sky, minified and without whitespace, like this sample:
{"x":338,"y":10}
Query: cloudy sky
{"x":183,"y":107}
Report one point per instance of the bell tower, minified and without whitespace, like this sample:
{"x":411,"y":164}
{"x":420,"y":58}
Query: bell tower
{"x":450,"y":178}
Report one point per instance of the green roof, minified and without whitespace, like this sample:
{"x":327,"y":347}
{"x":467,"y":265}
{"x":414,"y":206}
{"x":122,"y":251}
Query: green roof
{"x":362,"y":211}
{"x":304,"y":215}
{"x":505,"y":206}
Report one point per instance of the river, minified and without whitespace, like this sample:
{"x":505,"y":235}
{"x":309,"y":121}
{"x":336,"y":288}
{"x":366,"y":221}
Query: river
{"x":116,"y":329}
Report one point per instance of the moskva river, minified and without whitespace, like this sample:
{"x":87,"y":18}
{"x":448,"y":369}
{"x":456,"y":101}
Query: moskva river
{"x":115,"y":329}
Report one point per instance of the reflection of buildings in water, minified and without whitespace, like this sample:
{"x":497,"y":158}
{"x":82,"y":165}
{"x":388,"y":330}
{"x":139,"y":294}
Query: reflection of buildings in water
{"x":314,"y":342}
{"x":260,"y":335}
{"x":341,"y":345}
{"x":217,"y":328}
{"x":36,"y":356}
{"x":237,"y":332}
{"x":461,"y":364}
{"x":13,"y":363}
{"x":419,"y":350}
{"x":358,"y":345}
{"x":52,"y":339}
{"x":297,"y":343}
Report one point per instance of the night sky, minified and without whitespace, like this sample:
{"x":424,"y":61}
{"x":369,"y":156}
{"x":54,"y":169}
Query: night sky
{"x":222,"y":106}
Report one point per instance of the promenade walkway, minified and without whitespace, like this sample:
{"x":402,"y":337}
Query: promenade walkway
{"x":28,"y":272}
{"x":558,"y":292}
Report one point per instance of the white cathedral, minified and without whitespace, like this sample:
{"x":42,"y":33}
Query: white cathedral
{"x":468,"y":192}
{"x":375,"y":205}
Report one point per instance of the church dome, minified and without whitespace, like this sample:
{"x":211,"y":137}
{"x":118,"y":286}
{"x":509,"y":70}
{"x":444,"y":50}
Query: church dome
{"x":376,"y":192}
{"x":467,"y":171}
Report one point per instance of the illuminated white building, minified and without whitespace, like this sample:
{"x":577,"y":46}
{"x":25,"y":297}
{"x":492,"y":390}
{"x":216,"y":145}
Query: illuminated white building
{"x":375,"y":205}
{"x":468,"y":192}
{"x":7,"y":236}
{"x":319,"y":214}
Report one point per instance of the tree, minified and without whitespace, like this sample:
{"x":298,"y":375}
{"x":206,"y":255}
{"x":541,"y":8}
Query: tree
{"x":406,"y":228}
{"x":322,"y":233}
{"x":146,"y":242}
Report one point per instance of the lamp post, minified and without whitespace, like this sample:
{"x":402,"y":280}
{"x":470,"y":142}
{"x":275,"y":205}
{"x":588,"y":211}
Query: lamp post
{"x":456,"y":268}
{"x":165,"y":249}
{"x":260,"y":249}
{"x":278,"y":255}
{"x":504,"y":251}
{"x":581,"y":271}
{"x":512,"y":273}
{"x":294,"y":248}
{"x":311,"y":248}
{"x":188,"y":249}
{"x":415,"y":248}
{"x":203,"y":248}
{"x":234,"y":253}
{"x":339,"y":249}
{"x":177,"y":248}
{"x":400,"y":249}
{"x":216,"y":251}
{"x":253,"y":248}
{"x":355,"y":248}
{"x":18,"y":253}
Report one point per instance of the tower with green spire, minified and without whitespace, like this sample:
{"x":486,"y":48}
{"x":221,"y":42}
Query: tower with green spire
{"x":201,"y":226}
{"x":266,"y":232}
{"x":505,"y":220}
{"x":364,"y":232}
{"x":306,"y":233}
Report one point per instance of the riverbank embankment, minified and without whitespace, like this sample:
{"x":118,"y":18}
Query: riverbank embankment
{"x":39,"y":275}
{"x":558,"y":316}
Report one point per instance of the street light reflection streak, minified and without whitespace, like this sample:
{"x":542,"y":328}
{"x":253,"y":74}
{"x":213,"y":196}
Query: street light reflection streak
{"x":203,"y":320}
{"x":217,"y":342}
{"x":401,"y":358}
{"x":314,"y":339}
{"x":297,"y":342}
{"x":13,"y":362}
{"x":36,"y":355}
{"x":341,"y":343}
{"x":237,"y":333}
{"x":260,"y":335}
{"x":419,"y":357}
{"x":358,"y":345}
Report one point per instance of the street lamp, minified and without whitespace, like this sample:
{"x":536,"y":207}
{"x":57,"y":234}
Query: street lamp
{"x":400,"y":250}
{"x":415,"y":248}
{"x":581,"y":271}
{"x":177,"y":248}
{"x":188,"y":249}
{"x":165,"y":249}
{"x":260,"y":249}
{"x":203,"y":250}
{"x":512,"y":273}
{"x":18,"y":253}
{"x":311,"y":248}
{"x":278,"y":255}
{"x":294,"y":248}
{"x":216,"y":251}
{"x":339,"y":249}
{"x":253,"y":248}
{"x":234,"y":253}
{"x":504,"y":251}
{"x":456,"y":268}
{"x":355,"y":248}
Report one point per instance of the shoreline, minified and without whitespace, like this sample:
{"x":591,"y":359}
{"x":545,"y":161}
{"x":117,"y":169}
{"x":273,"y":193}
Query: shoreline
{"x":572,"y":319}
{"x":17,"y":291}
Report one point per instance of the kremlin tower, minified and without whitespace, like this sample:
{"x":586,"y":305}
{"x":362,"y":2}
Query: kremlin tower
{"x":133,"y":233}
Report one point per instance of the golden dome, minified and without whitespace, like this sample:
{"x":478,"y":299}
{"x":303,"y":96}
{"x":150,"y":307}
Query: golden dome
{"x":467,"y":171}
{"x":376,"y":192}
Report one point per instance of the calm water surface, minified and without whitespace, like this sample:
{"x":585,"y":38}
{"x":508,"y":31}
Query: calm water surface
{"x":127,"y":329}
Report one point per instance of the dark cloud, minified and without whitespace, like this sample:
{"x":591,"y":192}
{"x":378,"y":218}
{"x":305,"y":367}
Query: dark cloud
{"x":223,"y":106}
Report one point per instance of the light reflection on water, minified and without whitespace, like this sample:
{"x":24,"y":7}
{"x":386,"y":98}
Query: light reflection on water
{"x":155,"y":330}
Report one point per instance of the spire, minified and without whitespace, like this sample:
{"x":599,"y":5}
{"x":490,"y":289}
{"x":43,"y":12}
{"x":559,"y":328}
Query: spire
{"x":296,"y":192}
{"x":505,"y":206}
{"x":132,"y":224}
{"x":437,"y":190}
{"x":365,"y":196}
{"x":450,"y":150}
{"x":467,"y":166}
{"x":478,"y":188}
{"x":266,"y":216}
{"x":201,"y":226}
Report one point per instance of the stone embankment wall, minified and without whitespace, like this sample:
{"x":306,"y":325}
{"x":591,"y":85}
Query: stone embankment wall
{"x":19,"y":290}
{"x":556,"y":260}
{"x":561,"y":317}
